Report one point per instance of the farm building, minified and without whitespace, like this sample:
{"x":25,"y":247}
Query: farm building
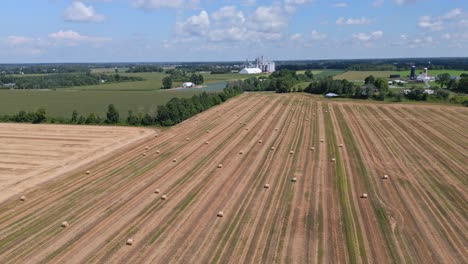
{"x":260,"y":65}
{"x":331,"y":95}
{"x":188,"y":84}
{"x":250,"y":71}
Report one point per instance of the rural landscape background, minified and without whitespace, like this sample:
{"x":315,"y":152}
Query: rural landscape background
{"x":152,"y":131}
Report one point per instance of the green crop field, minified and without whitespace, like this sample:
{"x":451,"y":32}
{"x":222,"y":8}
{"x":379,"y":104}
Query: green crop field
{"x":141,"y":96}
{"x":61,"y":103}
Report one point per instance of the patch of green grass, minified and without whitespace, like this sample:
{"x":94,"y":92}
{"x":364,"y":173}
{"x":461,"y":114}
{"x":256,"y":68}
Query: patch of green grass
{"x":62,"y":103}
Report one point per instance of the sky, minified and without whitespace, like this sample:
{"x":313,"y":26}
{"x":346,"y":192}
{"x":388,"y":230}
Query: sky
{"x":35,"y":31}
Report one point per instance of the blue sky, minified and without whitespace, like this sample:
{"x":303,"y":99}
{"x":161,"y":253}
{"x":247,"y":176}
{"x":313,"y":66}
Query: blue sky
{"x":226,"y":30}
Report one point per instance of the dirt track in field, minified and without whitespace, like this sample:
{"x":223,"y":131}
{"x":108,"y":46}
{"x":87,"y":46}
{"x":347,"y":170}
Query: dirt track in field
{"x":33,"y":154}
{"x":417,"y":215}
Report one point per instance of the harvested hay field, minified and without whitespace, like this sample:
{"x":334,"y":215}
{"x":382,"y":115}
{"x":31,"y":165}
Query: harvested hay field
{"x":417,"y":215}
{"x":33,"y":154}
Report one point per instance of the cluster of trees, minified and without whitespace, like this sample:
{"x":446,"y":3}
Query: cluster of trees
{"x":342,"y":87}
{"x":180,"y":109}
{"x":173,"y":112}
{"x":181,"y":76}
{"x":53,"y":81}
{"x":378,"y":89}
{"x":281,"y":81}
{"x":145,"y":68}
{"x":36,"y":117}
{"x":40,"y":116}
{"x":458,"y":86}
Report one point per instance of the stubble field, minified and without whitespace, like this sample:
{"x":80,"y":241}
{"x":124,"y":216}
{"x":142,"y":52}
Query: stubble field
{"x":221,"y":160}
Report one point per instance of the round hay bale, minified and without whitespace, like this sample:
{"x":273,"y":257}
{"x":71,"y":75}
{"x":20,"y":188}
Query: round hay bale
{"x":276,"y":129}
{"x":174,"y":160}
{"x":158,"y":152}
{"x":291,"y":152}
{"x":326,"y":111}
{"x":206,"y":143}
{"x":144,"y":154}
{"x":187,"y":139}
{"x":322,"y":140}
{"x":129,"y":241}
{"x":245,"y":123}
{"x":65,"y":224}
{"x":385,"y":177}
{"x":266,"y":186}
{"x":294,"y":179}
{"x":241,"y":152}
{"x":333,"y":160}
{"x":260,"y":141}
{"x":364,"y":195}
{"x":272,"y":148}
{"x":147,"y":148}
{"x":220,"y":214}
{"x":88,"y":172}
{"x":341,"y":145}
{"x":263,"y":118}
{"x":220,"y":166}
{"x":156,"y":135}
{"x":293,"y":121}
{"x":207,"y":131}
{"x":313,"y":114}
{"x":307,"y":119}
{"x":164,"y":197}
{"x":247,"y":128}
{"x":23,"y":198}
{"x":240,"y":123}
{"x":312,"y":148}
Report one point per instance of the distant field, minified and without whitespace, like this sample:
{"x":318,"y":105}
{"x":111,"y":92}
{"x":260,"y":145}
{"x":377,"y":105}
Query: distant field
{"x":62,"y":103}
{"x":141,"y":96}
{"x":153,"y":82}
{"x":361,"y":75}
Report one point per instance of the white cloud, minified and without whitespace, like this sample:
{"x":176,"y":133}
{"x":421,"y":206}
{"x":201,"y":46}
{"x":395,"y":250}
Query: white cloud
{"x":71,"y":37}
{"x":438,"y":23}
{"x":427,"y":22}
{"x":229,"y":13}
{"x":197,"y":25}
{"x":79,"y":12}
{"x":315,"y":35}
{"x":18,"y":40}
{"x":340,"y":5}
{"x":352,"y":21}
{"x":268,"y":19}
{"x":457,"y":12}
{"x":363,"y":37}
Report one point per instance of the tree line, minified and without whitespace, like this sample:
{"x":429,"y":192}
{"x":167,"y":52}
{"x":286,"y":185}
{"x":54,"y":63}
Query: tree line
{"x":145,"y":68}
{"x":53,"y":81}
